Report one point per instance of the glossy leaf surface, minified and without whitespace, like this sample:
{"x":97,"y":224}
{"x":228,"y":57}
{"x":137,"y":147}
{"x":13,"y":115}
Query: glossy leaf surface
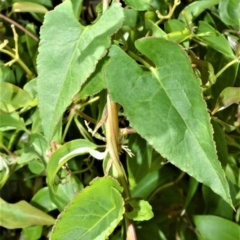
{"x":178,"y":125}
{"x":79,"y":49}
{"x":93,"y":213}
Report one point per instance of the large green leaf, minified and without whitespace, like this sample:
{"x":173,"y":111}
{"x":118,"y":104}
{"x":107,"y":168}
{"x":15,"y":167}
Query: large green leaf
{"x":229,"y":12}
{"x":165,"y":106}
{"x":93,"y":213}
{"x":22,"y":214}
{"x":215,"y":228}
{"x":68,"y":54}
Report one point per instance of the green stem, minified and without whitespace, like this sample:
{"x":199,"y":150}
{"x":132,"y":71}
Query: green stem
{"x":19,"y":26}
{"x":141,"y":60}
{"x":69,"y":120}
{"x":166,"y":186}
{"x":227,"y":66}
{"x":20,"y":62}
{"x":112,"y":136}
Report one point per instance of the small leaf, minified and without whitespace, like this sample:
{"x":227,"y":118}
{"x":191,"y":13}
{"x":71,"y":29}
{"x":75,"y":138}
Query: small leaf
{"x":12,"y":97}
{"x":215,"y":228}
{"x":165,"y":106}
{"x":228,"y":96}
{"x":68,"y":54}
{"x":93,"y":213}
{"x":214,"y":39}
{"x":21,"y":215}
{"x":28,"y":7}
{"x":67,"y":152}
{"x":142,"y":210}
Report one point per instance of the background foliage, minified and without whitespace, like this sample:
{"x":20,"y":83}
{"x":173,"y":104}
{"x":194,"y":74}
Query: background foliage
{"x":118,"y":119}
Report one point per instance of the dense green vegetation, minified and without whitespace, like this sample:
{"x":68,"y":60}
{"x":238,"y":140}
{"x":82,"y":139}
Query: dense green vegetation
{"x":120,"y":120}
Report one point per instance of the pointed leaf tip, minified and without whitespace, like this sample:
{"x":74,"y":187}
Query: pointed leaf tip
{"x":169,"y":100}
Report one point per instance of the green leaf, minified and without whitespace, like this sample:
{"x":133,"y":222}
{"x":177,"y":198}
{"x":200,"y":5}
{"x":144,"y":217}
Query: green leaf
{"x":228,"y":96}
{"x":12,"y":97}
{"x":192,"y":188}
{"x":66,"y":191}
{"x":67,"y":152}
{"x":32,"y":232}
{"x":142,"y":210}
{"x":47,"y":3}
{"x":68,"y":54}
{"x":229,"y":12}
{"x":10,"y":121}
{"x":150,"y":182}
{"x":173,"y":26}
{"x":156,"y":31}
{"x":214,"y":39}
{"x":228,"y":77}
{"x":93,"y":213}
{"x":139,"y":164}
{"x":215,"y":228}
{"x":140,"y":5}
{"x":165,"y":106}
{"x":193,"y":10}
{"x":36,"y":166}
{"x":95,"y":83}
{"x":221,"y":144}
{"x":28,"y":7}
{"x":21,"y":215}
{"x":77,"y":7}
{"x":215,"y":205}
{"x":42,"y":200}
{"x":31,"y":87}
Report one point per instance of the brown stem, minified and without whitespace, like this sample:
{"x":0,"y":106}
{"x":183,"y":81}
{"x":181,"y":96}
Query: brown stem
{"x":19,"y":26}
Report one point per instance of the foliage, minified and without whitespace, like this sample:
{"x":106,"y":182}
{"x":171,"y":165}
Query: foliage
{"x":120,"y":120}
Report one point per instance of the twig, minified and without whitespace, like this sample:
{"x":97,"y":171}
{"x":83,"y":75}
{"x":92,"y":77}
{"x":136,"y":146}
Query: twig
{"x":166,"y":186}
{"x":19,"y":26}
